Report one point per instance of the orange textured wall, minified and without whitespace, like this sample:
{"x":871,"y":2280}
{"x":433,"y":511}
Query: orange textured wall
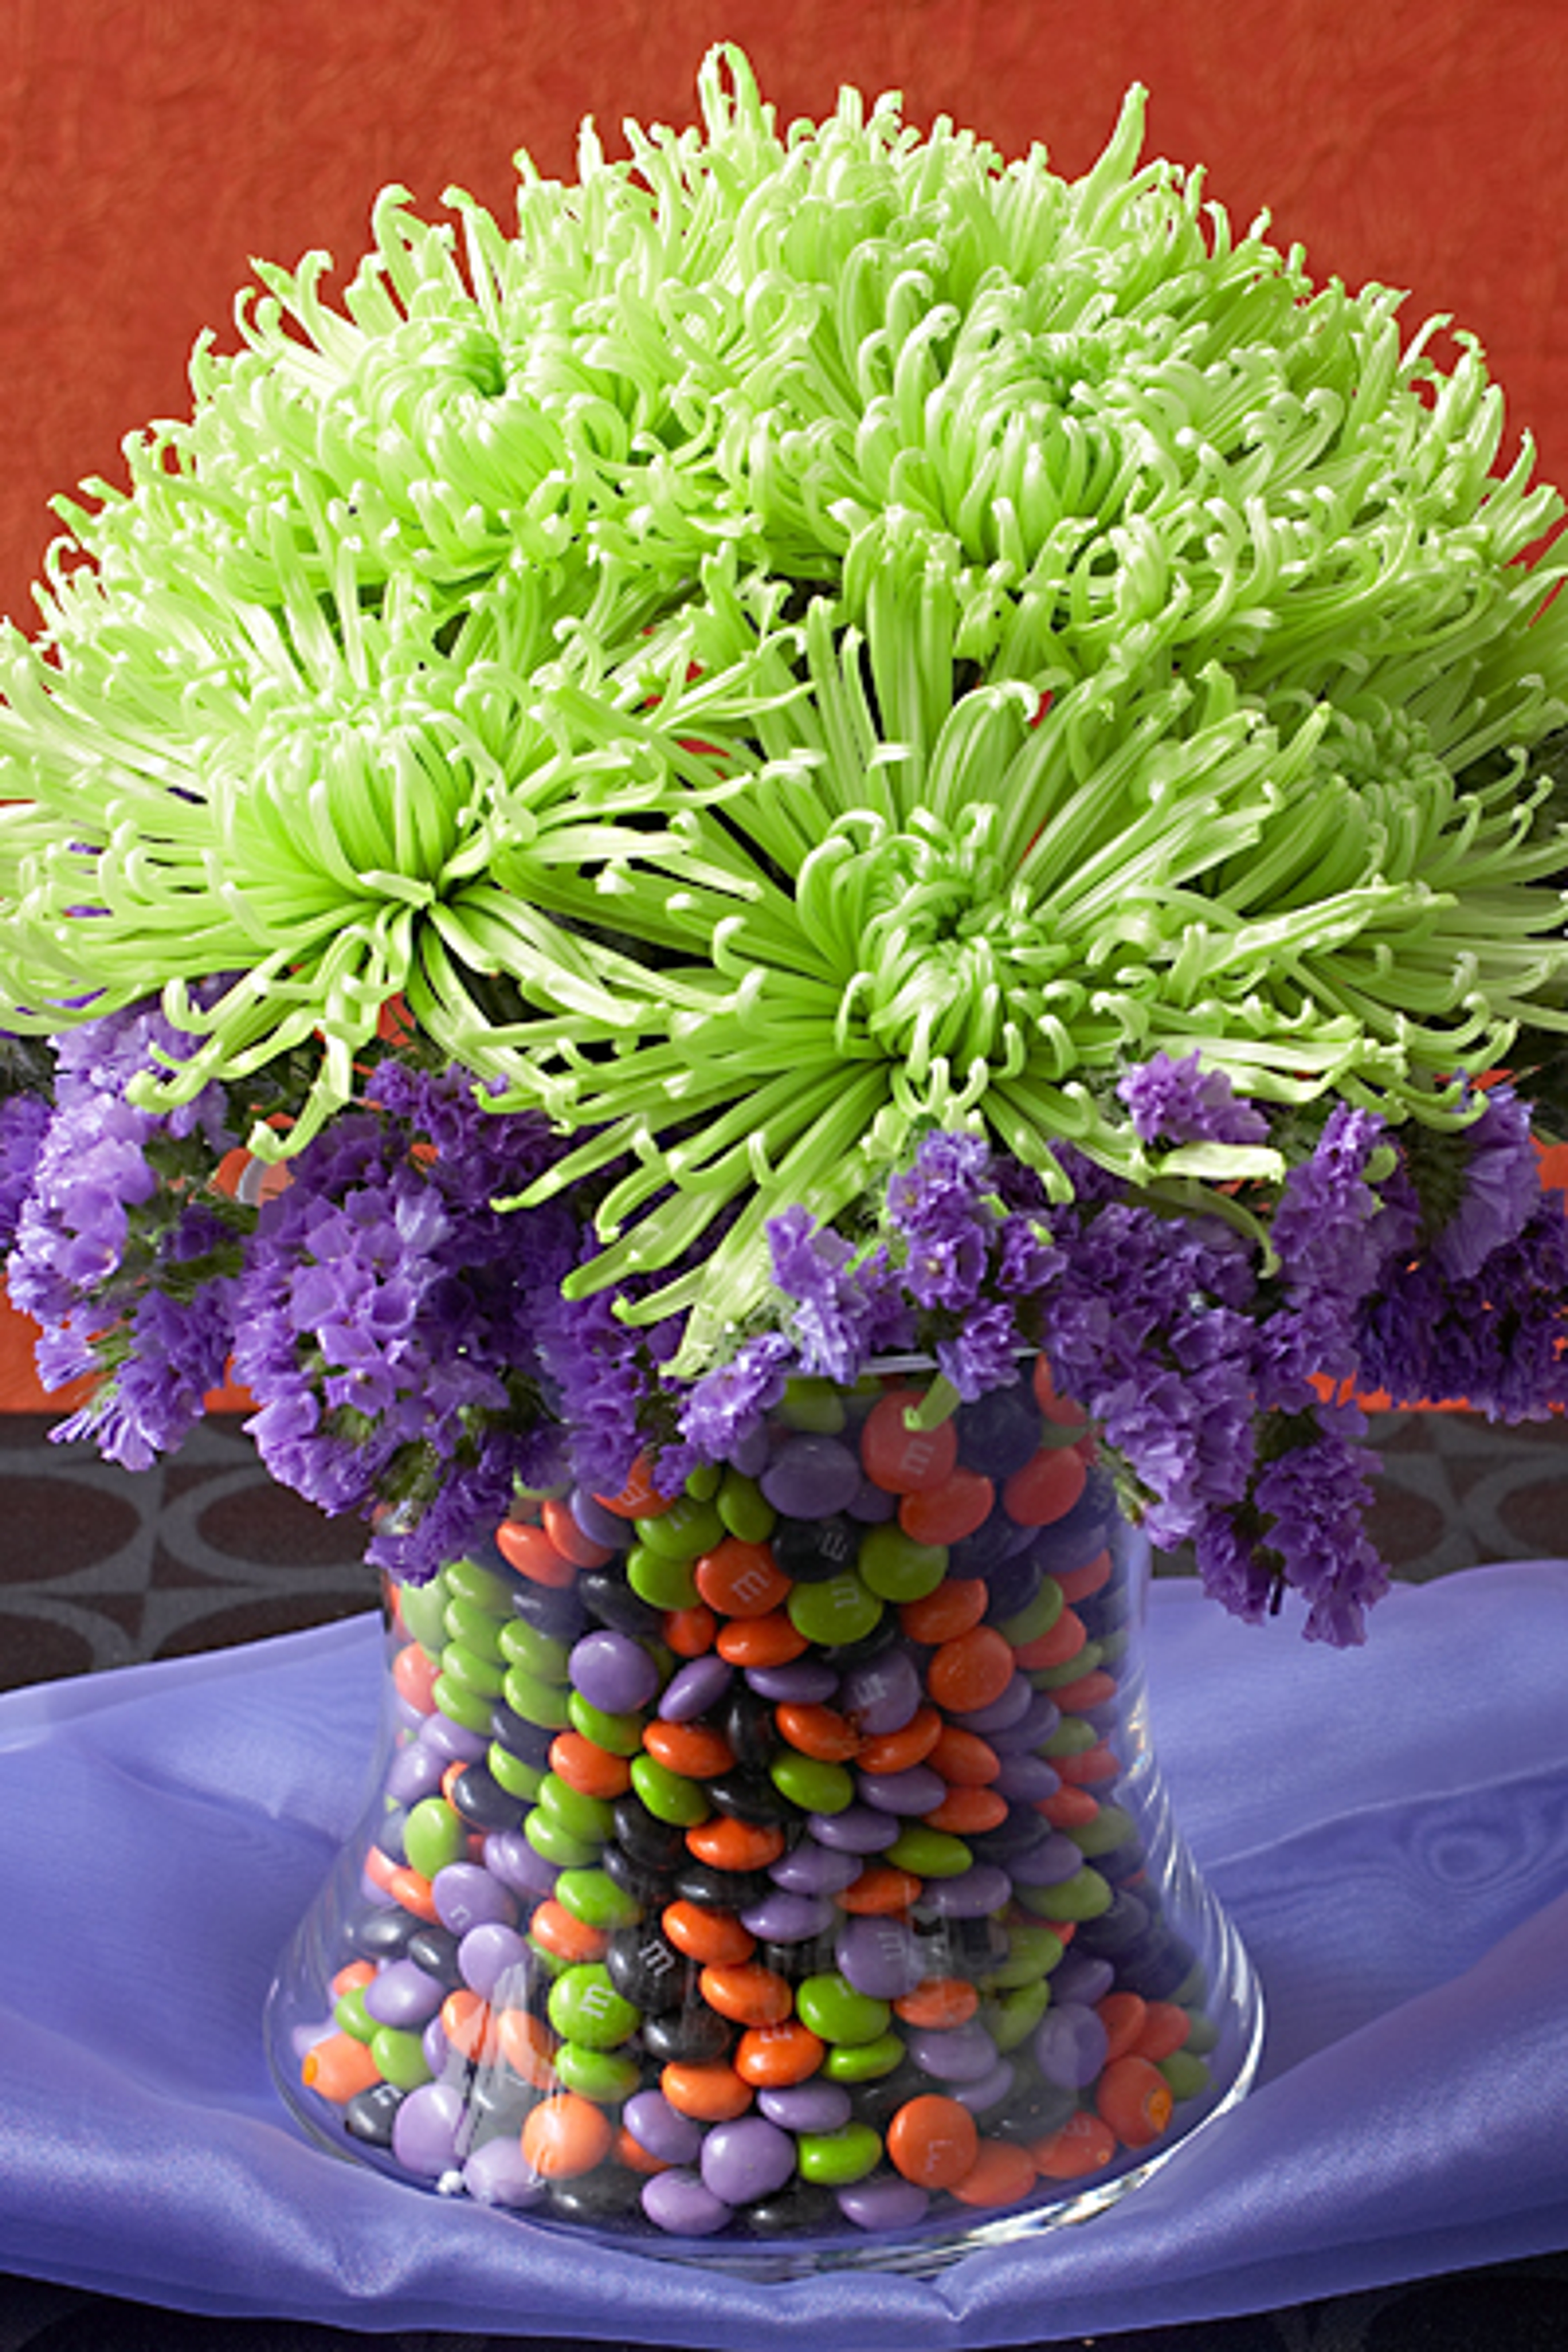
{"x":148,"y":148}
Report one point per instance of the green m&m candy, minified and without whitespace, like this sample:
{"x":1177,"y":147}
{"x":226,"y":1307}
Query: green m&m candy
{"x":585,"y":2008}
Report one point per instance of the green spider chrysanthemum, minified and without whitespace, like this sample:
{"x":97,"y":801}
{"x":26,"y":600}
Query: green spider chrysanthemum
{"x":812,"y":637}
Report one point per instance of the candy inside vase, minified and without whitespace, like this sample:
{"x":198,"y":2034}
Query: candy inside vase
{"x":779,"y":1873}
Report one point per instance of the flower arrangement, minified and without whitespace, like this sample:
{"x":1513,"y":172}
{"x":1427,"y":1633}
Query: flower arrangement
{"x":837,"y":748}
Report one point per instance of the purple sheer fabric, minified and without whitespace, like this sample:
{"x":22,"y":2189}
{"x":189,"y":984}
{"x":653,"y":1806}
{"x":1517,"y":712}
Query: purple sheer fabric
{"x":1390,"y":1828}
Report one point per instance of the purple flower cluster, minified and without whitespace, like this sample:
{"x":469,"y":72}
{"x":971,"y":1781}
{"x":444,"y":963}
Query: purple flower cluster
{"x":112,"y":1249}
{"x":413,"y":1355}
{"x":388,"y":1318}
{"x":1180,"y":1102}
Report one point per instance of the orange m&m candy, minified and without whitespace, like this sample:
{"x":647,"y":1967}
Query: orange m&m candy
{"x":740,"y":1580}
{"x":713,"y":2092}
{"x":946,"y":1513}
{"x":530,"y":1550}
{"x":1084,"y":2144}
{"x":1134,"y":2098}
{"x":1000,"y":2174}
{"x":566,"y":2135}
{"x":951,"y":1609}
{"x":748,"y":1994}
{"x":967,"y":1673}
{"x":773,"y":2056}
{"x":1046,"y":1488}
{"x":731,"y":1845}
{"x":901,"y":1460}
{"x":932,"y":2140}
{"x":338,"y":2066}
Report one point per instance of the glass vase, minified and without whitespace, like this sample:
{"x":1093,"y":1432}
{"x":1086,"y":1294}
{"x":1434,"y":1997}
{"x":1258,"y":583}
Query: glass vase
{"x":781,"y":1874}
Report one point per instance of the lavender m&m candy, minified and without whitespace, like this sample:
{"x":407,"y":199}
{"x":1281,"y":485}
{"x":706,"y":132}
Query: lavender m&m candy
{"x":812,"y":2106}
{"x":971,"y":1893}
{"x":1024,"y":1779}
{"x":789,"y":1919}
{"x":509,"y":1858}
{"x":452,"y":1741}
{"x":746,"y":2159}
{"x":880,"y":1956}
{"x":402,"y":1995}
{"x":883,"y":1694}
{"x":883,"y":2202}
{"x":499,"y":2174}
{"x":425,"y":2130}
{"x":466,"y":1896}
{"x":414,"y":1772}
{"x":678,"y":2201}
{"x":612,"y":1672}
{"x":856,"y":1830}
{"x":800,"y":1682}
{"x":914,"y":1791}
{"x":812,"y":1869}
{"x":490,"y":1952}
{"x":1050,"y":1863}
{"x":1070,"y":2044}
{"x":1002,"y":1713}
{"x":696,"y":1686}
{"x":749,"y":1453}
{"x":1034,"y":1724}
{"x":811,"y":1477}
{"x":598,"y":1524}
{"x":662,"y":2129}
{"x":989,"y":2090}
{"x":1080,"y":1977}
{"x":956,"y":2054}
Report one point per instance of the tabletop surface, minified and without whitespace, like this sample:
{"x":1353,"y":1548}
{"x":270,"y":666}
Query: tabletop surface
{"x":100,"y":1569}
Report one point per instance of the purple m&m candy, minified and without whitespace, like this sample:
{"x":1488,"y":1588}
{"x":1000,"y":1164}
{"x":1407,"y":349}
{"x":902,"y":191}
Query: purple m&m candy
{"x":956,"y":2054}
{"x":499,"y":2174}
{"x":880,"y":1956}
{"x":466,"y":1896}
{"x":812,"y":1869}
{"x":883,"y":1694}
{"x":416,"y":1772}
{"x":1080,"y":1977}
{"x":989,"y":2090}
{"x":746,"y":2159}
{"x":1050,"y":1863}
{"x":509,"y":1858}
{"x":490,"y":1952}
{"x":811,"y":1477}
{"x":612,"y":1672}
{"x":1034,"y":1724}
{"x":662,"y":2129}
{"x":1024,"y":1779}
{"x":971,"y":1893}
{"x":425,"y":2130}
{"x":680,"y":2202}
{"x":916,"y":1790}
{"x":1001,"y":1712}
{"x":1071,"y":2045}
{"x":403,"y":1996}
{"x":801,"y":1682}
{"x":813,"y":2107}
{"x":884,"y":2202}
{"x":789,"y":1919}
{"x":694,"y":1688}
{"x":858,"y":1829}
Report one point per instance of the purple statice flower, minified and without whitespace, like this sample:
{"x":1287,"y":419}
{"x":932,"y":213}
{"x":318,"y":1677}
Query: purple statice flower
{"x":1314,"y":1499}
{"x":597,"y":1375}
{"x":1326,"y":1229}
{"x":1180,"y":1102}
{"x":23,"y":1123}
{"x":837,"y":1313}
{"x":726,"y":1405}
{"x":1493,"y":1341}
{"x":389,"y":1319}
{"x":1232,"y":1571}
{"x":1501,"y":1186}
{"x":1144,"y":1324}
{"x":176,"y":1351}
{"x":943,"y":1212}
{"x":982,"y":1354}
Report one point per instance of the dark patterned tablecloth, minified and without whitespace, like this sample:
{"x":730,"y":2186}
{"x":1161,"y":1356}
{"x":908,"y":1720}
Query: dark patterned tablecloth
{"x":101,"y":1569}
